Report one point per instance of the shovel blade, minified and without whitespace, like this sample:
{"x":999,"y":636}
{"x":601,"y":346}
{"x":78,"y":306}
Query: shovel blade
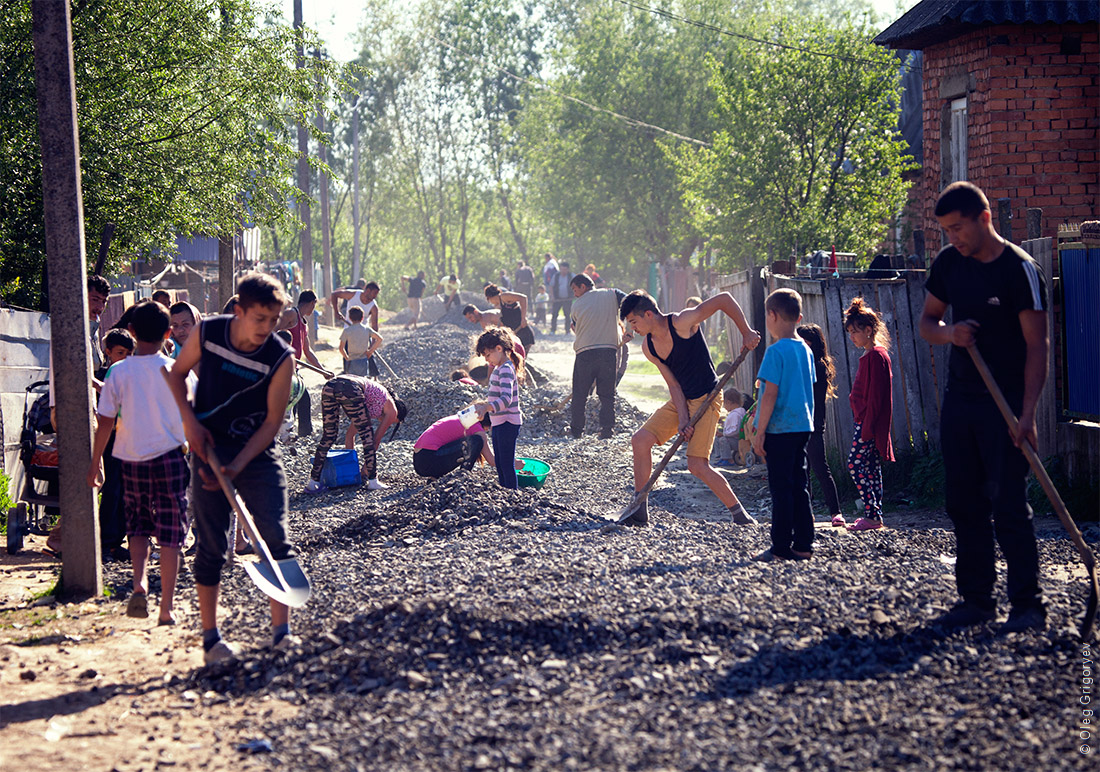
{"x":293,"y":590}
{"x":626,"y":514}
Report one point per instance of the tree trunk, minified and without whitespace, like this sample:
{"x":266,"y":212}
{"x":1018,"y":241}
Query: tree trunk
{"x":303,"y":165}
{"x":326,"y":233}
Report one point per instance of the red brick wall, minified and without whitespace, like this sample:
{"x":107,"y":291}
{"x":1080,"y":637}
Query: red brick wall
{"x":1033,"y":122}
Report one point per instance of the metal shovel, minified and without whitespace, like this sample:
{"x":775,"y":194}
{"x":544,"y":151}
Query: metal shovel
{"x":282,"y":580}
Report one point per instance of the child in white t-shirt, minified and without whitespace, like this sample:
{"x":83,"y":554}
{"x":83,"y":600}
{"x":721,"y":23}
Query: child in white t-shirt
{"x":542,"y":300}
{"x":733,"y":402}
{"x":137,"y":404}
{"x":358,"y":342}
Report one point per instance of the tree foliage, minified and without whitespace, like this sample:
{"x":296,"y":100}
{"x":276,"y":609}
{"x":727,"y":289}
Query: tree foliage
{"x":807,"y":154}
{"x":183,"y":110}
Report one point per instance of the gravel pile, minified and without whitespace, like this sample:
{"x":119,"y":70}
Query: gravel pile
{"x":456,"y":625}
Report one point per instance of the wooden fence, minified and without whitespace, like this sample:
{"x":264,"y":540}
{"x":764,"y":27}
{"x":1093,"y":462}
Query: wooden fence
{"x":919,"y":369}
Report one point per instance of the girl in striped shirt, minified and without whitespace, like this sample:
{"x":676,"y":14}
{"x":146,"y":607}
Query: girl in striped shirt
{"x":495,"y":345}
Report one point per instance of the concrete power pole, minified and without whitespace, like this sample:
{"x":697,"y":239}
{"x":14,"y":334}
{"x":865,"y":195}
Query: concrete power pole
{"x":326,"y":230}
{"x":303,"y":164}
{"x":355,"y":265}
{"x":226,"y":285}
{"x":69,"y":331}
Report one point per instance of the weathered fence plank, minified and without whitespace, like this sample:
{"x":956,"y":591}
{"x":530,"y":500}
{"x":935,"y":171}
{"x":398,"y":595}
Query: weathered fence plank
{"x":1045,"y":412}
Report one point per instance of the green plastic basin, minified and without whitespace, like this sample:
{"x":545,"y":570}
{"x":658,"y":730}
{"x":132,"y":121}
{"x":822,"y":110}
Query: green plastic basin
{"x":533,"y":474}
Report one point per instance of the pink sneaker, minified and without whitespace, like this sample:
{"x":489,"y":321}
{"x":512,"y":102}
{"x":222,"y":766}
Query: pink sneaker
{"x":838,"y":521}
{"x":865,"y":524}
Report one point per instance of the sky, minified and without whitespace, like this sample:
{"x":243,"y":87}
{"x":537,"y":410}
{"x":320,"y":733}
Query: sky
{"x":338,"y":20}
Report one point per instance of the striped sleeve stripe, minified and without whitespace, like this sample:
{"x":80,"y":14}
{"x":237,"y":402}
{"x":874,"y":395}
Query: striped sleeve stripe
{"x":1032,"y":274}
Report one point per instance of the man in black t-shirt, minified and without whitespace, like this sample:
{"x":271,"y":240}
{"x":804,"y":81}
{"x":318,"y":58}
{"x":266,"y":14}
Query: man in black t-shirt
{"x":998,"y":301}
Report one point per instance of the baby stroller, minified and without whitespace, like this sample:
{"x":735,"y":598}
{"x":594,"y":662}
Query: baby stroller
{"x":745,"y":437}
{"x":38,"y":500}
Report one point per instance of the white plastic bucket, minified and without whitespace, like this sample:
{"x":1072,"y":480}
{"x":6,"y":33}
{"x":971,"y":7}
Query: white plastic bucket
{"x":468,"y":416}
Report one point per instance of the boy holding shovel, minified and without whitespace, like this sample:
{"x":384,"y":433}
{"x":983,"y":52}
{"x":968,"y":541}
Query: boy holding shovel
{"x":683,"y":359}
{"x":242,"y":394}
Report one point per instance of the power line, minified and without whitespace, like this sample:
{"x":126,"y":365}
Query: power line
{"x":775,"y":43}
{"x":632,"y":122}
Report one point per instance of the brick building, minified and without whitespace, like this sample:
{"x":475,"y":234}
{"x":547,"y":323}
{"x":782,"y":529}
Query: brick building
{"x":1011,"y":102}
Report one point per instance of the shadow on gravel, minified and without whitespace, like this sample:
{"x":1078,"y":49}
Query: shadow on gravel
{"x":380,"y":649}
{"x":844,"y":657}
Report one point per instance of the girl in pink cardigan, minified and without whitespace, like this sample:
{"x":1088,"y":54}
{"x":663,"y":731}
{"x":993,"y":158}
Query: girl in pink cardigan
{"x":872,"y":407}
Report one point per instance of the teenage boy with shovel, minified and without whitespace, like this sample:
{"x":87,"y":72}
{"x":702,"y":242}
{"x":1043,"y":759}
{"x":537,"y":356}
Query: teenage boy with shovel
{"x":996,"y":293}
{"x":242,"y":394}
{"x":683,"y":359}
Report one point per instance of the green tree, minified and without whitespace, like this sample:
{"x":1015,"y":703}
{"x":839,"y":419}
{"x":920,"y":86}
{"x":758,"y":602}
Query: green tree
{"x":604,"y":182}
{"x":183,"y":107}
{"x":807,"y":154}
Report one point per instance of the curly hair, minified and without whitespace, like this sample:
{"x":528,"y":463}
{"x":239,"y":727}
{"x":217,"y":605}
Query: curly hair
{"x":815,"y":339}
{"x":861,"y":316}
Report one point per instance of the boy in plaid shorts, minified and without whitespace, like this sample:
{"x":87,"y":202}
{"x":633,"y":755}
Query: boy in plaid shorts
{"x":149,"y":442}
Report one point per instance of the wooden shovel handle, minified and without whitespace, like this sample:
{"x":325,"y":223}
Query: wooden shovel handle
{"x":242,"y":512}
{"x":1033,"y":459}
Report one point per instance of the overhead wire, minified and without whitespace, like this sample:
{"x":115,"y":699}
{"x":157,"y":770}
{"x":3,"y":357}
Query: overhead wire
{"x":635,"y":122}
{"x":632,"y":122}
{"x":762,"y":41}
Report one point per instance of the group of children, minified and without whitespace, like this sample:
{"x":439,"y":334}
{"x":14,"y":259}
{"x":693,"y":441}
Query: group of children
{"x":230,"y":414}
{"x":796,"y":377}
{"x":871,"y":404}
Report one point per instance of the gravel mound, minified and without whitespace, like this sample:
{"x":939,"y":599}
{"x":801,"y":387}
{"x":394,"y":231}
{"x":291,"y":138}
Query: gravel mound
{"x":456,"y":625}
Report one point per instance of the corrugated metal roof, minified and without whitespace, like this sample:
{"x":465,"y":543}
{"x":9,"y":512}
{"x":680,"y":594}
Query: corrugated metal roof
{"x":934,"y":21}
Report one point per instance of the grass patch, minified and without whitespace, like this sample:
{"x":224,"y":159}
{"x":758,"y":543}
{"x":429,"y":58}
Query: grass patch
{"x":6,"y":501}
{"x":639,"y":365}
{"x":54,"y":589}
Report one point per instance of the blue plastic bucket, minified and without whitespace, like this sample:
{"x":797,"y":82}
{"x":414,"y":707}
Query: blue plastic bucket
{"x":341,"y":468}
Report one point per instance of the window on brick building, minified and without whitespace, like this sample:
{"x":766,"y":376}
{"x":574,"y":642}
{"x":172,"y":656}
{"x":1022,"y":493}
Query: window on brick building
{"x":958,"y":140}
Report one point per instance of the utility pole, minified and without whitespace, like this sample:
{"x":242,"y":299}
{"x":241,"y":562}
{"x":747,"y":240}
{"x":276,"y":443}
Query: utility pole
{"x":355,"y":265}
{"x":326,"y":230}
{"x":226,"y":286}
{"x":303,"y":163}
{"x":69,"y":330}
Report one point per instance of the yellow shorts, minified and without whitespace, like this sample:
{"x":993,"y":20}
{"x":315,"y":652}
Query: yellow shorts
{"x":666,"y":421}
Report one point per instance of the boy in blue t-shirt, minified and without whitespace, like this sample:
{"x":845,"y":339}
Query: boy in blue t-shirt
{"x":784,"y":421}
{"x":242,"y":394}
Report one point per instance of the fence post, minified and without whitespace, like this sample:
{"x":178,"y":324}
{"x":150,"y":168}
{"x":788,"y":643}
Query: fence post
{"x":1034,"y":223}
{"x":1004,"y":217}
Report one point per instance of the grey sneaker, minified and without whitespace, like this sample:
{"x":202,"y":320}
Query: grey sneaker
{"x":741,"y":516}
{"x":286,"y":643}
{"x":639,"y":517}
{"x":220,"y":652}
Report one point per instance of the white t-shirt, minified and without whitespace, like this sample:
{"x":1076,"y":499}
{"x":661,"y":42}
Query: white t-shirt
{"x":359,"y":338}
{"x":356,"y":301}
{"x":136,"y":393}
{"x":733,"y":422}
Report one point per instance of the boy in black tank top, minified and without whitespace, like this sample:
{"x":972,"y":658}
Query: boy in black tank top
{"x":242,"y":394}
{"x":683,"y":359}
